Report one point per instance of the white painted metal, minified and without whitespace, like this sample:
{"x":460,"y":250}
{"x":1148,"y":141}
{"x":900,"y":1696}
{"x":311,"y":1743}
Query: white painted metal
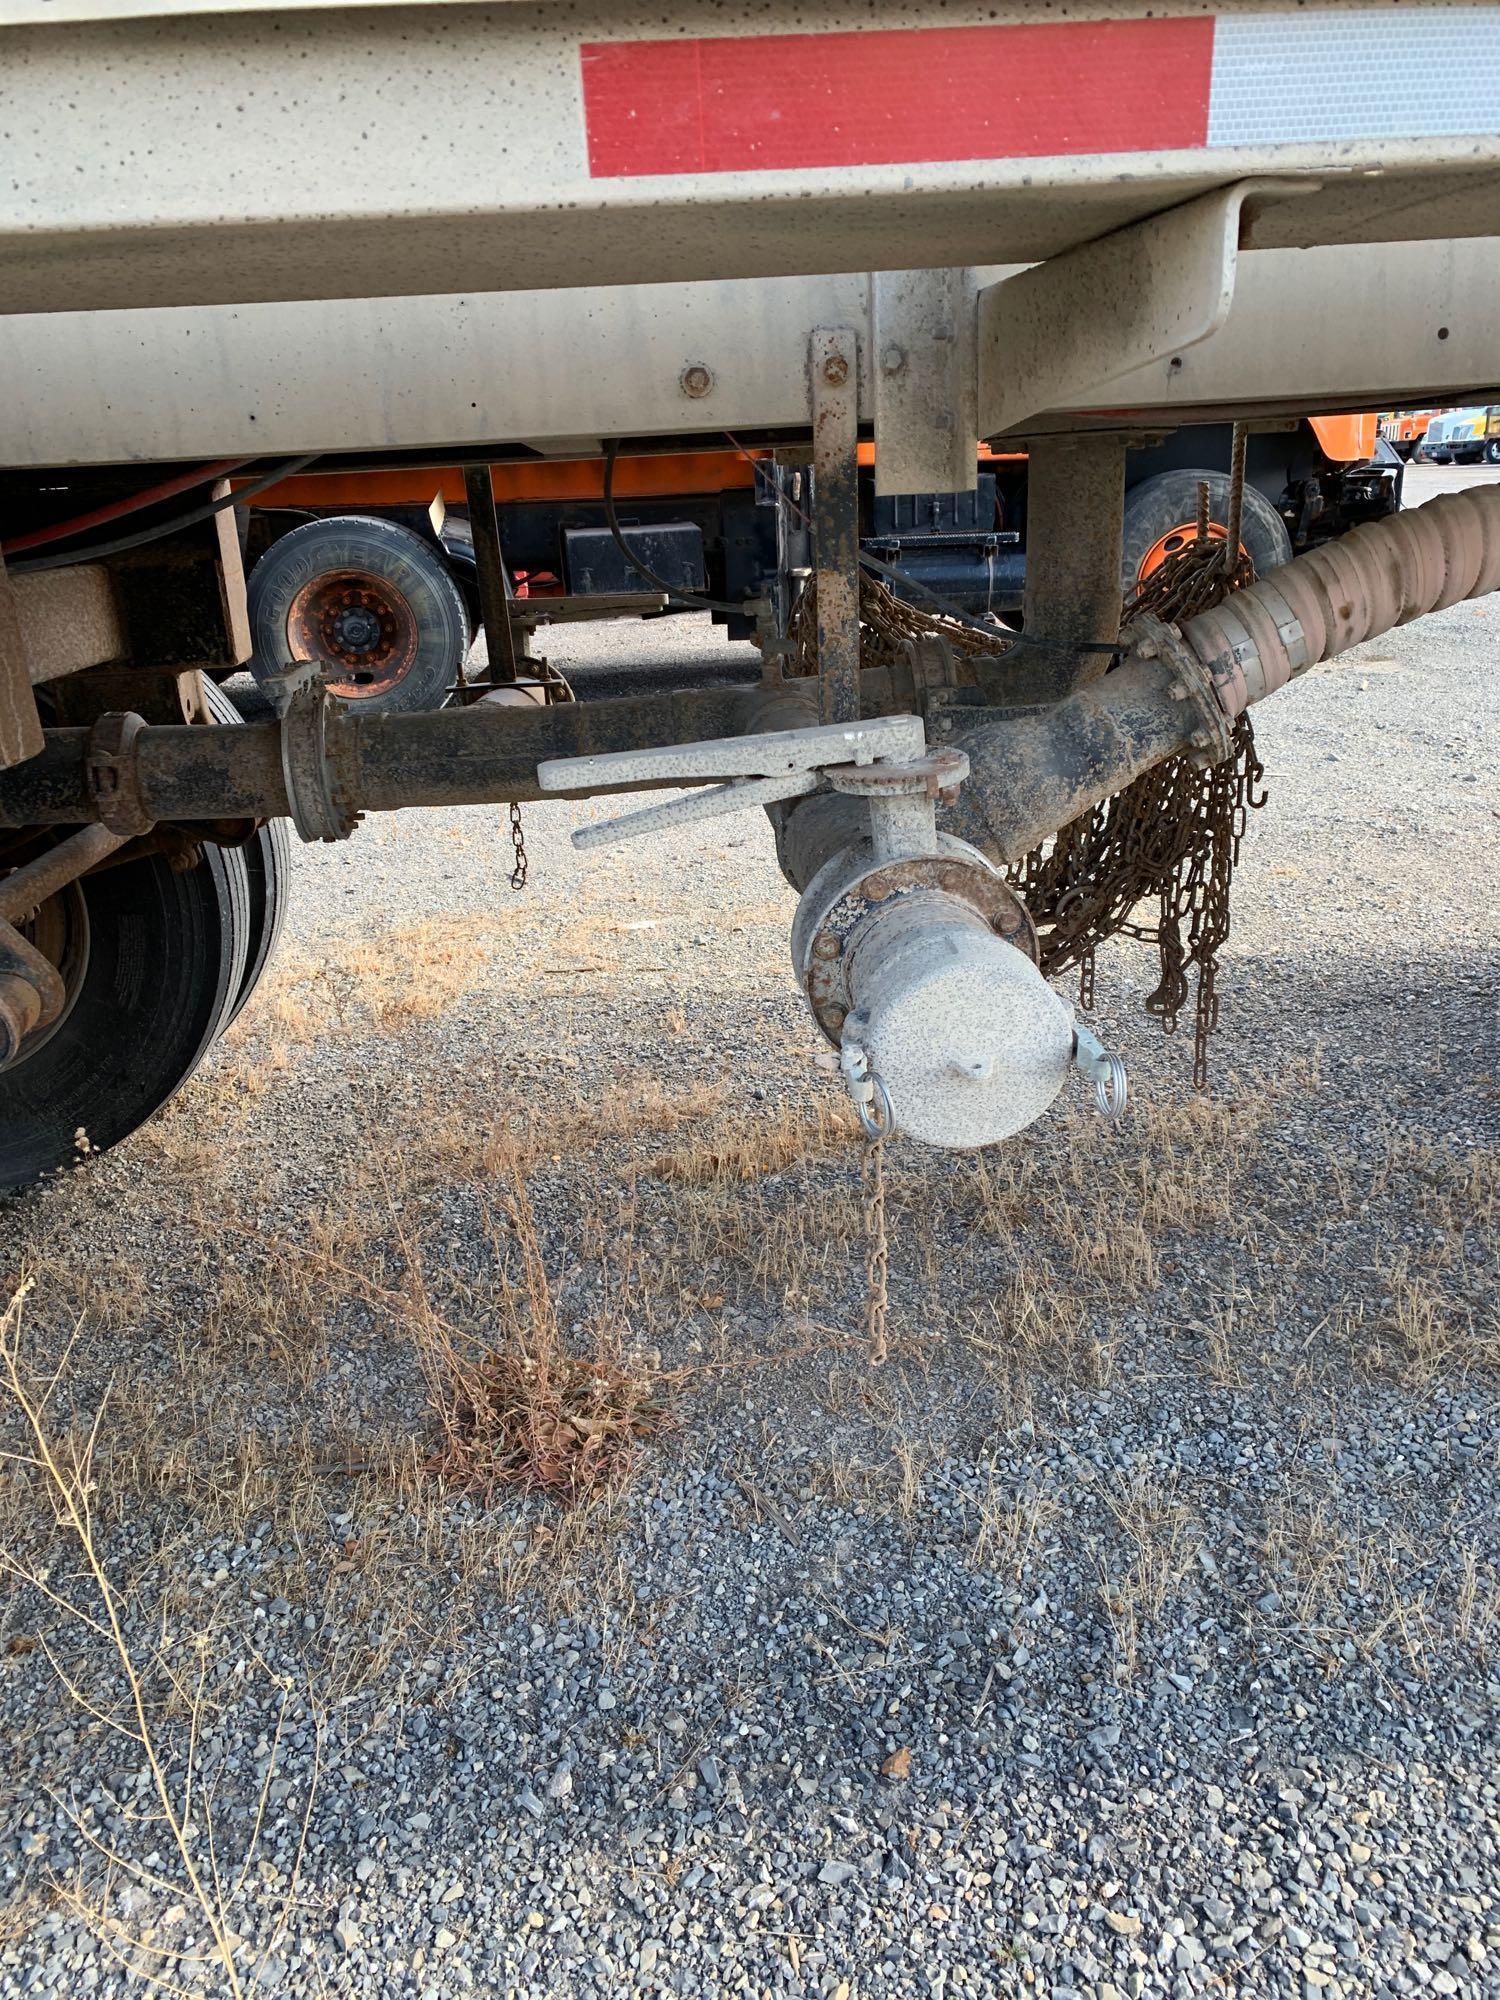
{"x":1053,"y":334}
{"x":1344,"y":328}
{"x":1397,"y":325}
{"x":402,"y":373}
{"x":763,"y":754}
{"x":739,"y":795}
{"x":922,"y":375}
{"x":160,"y":154}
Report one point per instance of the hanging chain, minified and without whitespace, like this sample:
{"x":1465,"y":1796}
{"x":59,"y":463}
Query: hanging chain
{"x":518,"y":842}
{"x":878,"y":1255}
{"x":1173,"y":837}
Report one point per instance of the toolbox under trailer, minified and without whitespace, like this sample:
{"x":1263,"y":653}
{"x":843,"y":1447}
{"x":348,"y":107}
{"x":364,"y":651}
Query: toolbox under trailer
{"x":246,"y":236}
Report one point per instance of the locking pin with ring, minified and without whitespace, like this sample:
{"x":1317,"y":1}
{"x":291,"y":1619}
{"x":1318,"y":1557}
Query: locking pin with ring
{"x":872,"y":1102}
{"x":1101,"y":1068}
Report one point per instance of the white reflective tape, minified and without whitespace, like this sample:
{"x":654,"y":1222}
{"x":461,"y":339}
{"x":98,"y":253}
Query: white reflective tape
{"x":1371,"y":73}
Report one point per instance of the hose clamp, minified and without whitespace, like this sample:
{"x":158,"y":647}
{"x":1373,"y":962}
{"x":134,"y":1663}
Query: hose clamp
{"x":1211,"y":738}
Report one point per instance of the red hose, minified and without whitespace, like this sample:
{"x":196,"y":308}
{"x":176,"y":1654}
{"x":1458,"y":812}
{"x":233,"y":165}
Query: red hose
{"x":131,"y":504}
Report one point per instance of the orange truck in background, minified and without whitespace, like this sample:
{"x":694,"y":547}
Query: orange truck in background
{"x":1404,"y":430}
{"x":371,"y":570}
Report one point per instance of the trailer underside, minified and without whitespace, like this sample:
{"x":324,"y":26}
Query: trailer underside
{"x":1181,"y":244}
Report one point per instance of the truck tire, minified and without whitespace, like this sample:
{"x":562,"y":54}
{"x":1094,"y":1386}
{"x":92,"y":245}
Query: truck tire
{"x":267,"y":862}
{"x":1492,"y":452}
{"x":368,"y":599}
{"x":1161,"y":515}
{"x":153,"y":961}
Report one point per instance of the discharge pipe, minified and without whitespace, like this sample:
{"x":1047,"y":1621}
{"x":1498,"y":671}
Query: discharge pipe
{"x":1180,"y":689}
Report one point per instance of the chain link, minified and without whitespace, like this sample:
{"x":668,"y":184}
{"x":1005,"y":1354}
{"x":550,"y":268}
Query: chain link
{"x":878,"y":1255}
{"x":1173,"y":837}
{"x":518,"y":842}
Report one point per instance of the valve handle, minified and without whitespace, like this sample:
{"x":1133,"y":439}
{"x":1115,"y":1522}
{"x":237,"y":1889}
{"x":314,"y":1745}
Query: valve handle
{"x":759,"y":769}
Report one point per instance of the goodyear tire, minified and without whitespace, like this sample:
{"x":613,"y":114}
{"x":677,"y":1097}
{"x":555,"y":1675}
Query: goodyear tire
{"x":1161,"y":514}
{"x":369,"y":600}
{"x":153,"y":962}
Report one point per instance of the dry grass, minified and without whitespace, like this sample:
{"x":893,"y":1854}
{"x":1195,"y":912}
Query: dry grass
{"x":131,"y":1693}
{"x":519,"y":1409}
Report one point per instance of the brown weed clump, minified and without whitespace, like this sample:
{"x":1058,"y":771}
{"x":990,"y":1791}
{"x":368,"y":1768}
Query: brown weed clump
{"x":526,"y":1411}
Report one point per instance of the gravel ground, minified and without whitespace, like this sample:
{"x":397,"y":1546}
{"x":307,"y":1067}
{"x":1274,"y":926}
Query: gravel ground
{"x":1133,"y":1632}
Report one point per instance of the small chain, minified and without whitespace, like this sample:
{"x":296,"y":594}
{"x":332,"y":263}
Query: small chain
{"x":518,"y":842}
{"x":878,"y":1257}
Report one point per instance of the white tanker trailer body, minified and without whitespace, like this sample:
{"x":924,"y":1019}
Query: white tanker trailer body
{"x":234,"y":233}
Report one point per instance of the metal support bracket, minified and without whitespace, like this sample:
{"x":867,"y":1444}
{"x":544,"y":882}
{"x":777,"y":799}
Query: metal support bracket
{"x":923,"y":380}
{"x":1054,"y":333}
{"x":489,"y":565}
{"x":833,"y":372}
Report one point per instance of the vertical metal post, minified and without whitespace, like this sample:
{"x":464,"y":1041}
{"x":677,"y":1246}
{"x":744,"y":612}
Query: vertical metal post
{"x":834,"y":370}
{"x":1075,"y":513}
{"x":489,"y":561}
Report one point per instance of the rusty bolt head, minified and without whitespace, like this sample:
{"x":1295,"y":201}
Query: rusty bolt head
{"x":696,"y":379}
{"x":827,"y":947}
{"x":836,"y":370}
{"x":836,"y":1017}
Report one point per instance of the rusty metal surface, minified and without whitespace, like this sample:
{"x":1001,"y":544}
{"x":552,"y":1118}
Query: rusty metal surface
{"x":69,"y":619}
{"x":833,"y":370}
{"x":26,"y":888}
{"x":479,"y":755}
{"x":1382,"y":574}
{"x":356,"y":624}
{"x":1075,"y":511}
{"x":114,"y":773}
{"x":20,"y":725}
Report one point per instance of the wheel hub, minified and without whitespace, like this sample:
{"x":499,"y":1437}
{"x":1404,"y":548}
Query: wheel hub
{"x":356,"y":630}
{"x":358,"y":625}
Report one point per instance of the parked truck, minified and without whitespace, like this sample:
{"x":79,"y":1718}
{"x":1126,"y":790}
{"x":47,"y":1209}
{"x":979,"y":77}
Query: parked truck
{"x":372,"y":573}
{"x":785,"y":234}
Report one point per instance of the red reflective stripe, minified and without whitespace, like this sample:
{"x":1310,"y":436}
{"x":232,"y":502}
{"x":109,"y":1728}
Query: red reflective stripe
{"x":775,"y":102}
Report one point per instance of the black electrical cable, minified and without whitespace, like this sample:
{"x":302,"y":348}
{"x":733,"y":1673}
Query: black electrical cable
{"x":93,"y":551}
{"x":672,"y":590}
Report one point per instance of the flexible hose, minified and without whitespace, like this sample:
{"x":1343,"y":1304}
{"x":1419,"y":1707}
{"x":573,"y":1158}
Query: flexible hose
{"x":1382,"y":574}
{"x":1034,"y":772}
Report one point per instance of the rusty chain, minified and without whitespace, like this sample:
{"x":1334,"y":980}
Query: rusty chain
{"x":1173,"y":836}
{"x":518,"y":842}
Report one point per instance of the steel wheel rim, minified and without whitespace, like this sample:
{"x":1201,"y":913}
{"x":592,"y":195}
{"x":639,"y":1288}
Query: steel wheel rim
{"x":1174,"y":541}
{"x":359,"y":626}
